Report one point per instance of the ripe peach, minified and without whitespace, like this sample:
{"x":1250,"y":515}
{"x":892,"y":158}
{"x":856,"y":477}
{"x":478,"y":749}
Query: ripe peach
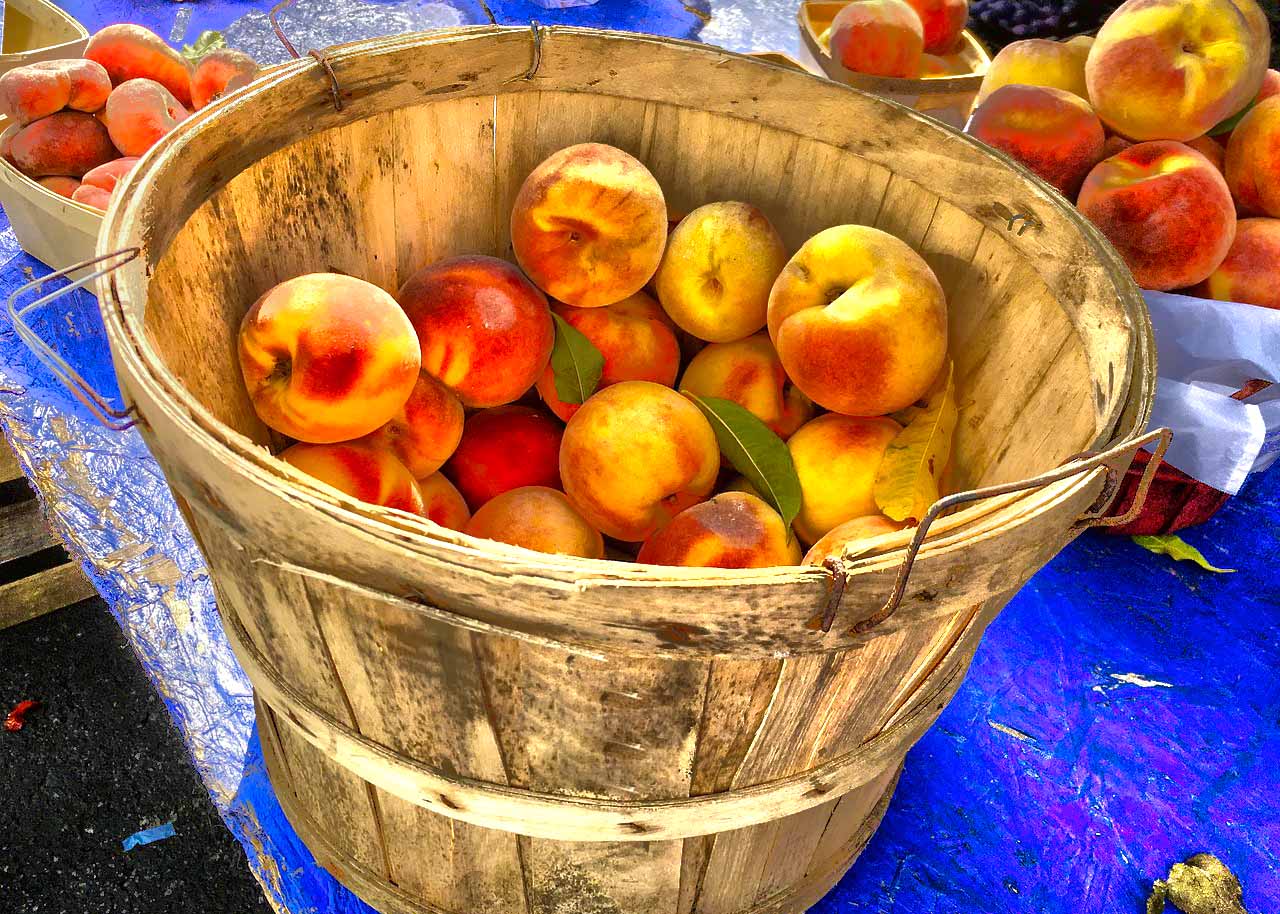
{"x":1053,"y":132}
{"x":942,"y":21}
{"x":589,"y":225}
{"x":92,"y":195}
{"x":1212,"y":150}
{"x":220,"y":71}
{"x":844,"y":539}
{"x":717,"y":270}
{"x":732,"y":530}
{"x":1270,"y":85}
{"x":634,"y":336}
{"x":327,"y":357}
{"x":1253,"y":160}
{"x":424,"y":432}
{"x":878,"y":37}
{"x":139,"y":113}
{"x":361,"y":472}
{"x":60,"y":185}
{"x":1251,"y":271}
{"x":749,"y":373}
{"x":67,"y":143}
{"x":540,"y":519}
{"x":1165,"y":208}
{"x":836,"y":458}
{"x":486,"y":331}
{"x":1039,"y":62}
{"x":635,"y":456}
{"x":859,"y":321}
{"x":109,"y":175}
{"x":1115,"y":144}
{"x":129,"y":51}
{"x":443,"y":503}
{"x":1172,"y":69}
{"x":46,"y":87}
{"x":505,"y":448}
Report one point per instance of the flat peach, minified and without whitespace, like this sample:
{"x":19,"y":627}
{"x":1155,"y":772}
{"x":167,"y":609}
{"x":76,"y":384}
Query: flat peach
{"x":60,"y":185}
{"x":364,"y":473}
{"x":109,"y":175}
{"x":130,"y":51}
{"x":219,"y":71}
{"x":39,"y":89}
{"x":749,"y":373}
{"x":68,"y":143}
{"x":540,"y":519}
{"x":140,"y":113}
{"x":91,"y":195}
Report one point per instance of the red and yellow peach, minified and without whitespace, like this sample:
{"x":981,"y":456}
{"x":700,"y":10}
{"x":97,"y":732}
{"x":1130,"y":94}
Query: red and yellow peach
{"x":537,"y":518}
{"x":1039,"y":62}
{"x":505,"y":448}
{"x":836,"y":458}
{"x":749,"y":373}
{"x":443,"y":503}
{"x":849,"y":538}
{"x":878,"y":37}
{"x":39,"y":89}
{"x":1250,"y":273}
{"x":365,"y":473}
{"x":425,"y":432}
{"x":68,"y":143}
{"x":129,"y":51}
{"x":942,"y":22}
{"x":139,"y":113}
{"x":732,"y":530}
{"x":218,"y":72}
{"x":1253,"y":160}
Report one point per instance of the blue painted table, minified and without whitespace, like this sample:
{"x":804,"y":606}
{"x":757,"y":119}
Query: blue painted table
{"x":1122,"y":714}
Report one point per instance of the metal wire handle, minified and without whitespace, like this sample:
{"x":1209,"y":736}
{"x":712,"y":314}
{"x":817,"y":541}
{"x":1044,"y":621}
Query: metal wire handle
{"x":113,"y":418}
{"x":335,"y":89}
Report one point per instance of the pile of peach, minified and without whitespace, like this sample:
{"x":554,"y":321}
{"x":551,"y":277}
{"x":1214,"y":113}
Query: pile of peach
{"x":81,"y":124}
{"x":903,"y":38}
{"x":1165,"y":132}
{"x":469,"y":397}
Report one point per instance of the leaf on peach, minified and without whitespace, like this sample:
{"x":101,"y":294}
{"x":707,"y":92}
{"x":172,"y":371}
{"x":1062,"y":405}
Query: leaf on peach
{"x":908,"y":480}
{"x":575,"y":362}
{"x":1177,"y":548}
{"x":206,"y":43}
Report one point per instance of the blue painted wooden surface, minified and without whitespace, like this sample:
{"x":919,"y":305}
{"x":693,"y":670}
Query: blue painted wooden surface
{"x":1122,"y":713}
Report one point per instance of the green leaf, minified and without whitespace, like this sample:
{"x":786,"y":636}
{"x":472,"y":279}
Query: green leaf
{"x":755,"y":452}
{"x":576,"y":363}
{"x":207,"y":42}
{"x":1177,"y":548}
{"x":1230,"y":123}
{"x":907,"y":482}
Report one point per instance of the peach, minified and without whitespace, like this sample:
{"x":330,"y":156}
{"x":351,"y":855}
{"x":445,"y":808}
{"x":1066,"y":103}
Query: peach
{"x":878,"y":37}
{"x":486,"y":331}
{"x":1053,"y":132}
{"x":1251,"y":271}
{"x":1212,"y":150}
{"x":1165,"y":208}
{"x":1172,"y":69}
{"x":942,"y":21}
{"x":92,"y":195}
{"x":443,"y":503}
{"x":540,"y":519}
{"x":749,"y":373}
{"x":60,"y":185}
{"x":1253,"y":160}
{"x":635,"y":338}
{"x":1270,"y":85}
{"x":139,"y":113}
{"x":218,"y":72}
{"x":836,"y":459}
{"x":68,"y":143}
{"x":129,"y":51}
{"x":365,"y":473}
{"x":589,"y":225}
{"x":859,"y":321}
{"x":718,"y":268}
{"x":109,"y":175}
{"x":635,"y":456}
{"x":845,"y":539}
{"x":505,"y":448}
{"x":425,"y":431}
{"x":732,"y":530}
{"x":46,"y":87}
{"x":327,"y":357}
{"x":1039,"y":62}
{"x":1115,"y":144}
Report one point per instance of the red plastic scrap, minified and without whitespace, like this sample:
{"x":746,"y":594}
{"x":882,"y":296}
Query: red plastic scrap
{"x":18,"y":716}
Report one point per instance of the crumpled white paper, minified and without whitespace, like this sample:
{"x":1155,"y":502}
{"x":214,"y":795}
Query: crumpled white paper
{"x":1208,"y":350}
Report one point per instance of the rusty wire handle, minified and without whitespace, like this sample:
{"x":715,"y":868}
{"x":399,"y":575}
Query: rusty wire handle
{"x":335,"y":89}
{"x":1079,"y":464}
{"x":117,"y":420}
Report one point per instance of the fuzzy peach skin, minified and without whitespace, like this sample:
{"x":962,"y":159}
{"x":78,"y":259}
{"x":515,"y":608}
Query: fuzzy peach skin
{"x":1253,"y":160}
{"x":219,"y":71}
{"x":1039,"y":62}
{"x":130,"y":51}
{"x":1270,"y":85}
{"x":425,"y":432}
{"x":589,"y":225}
{"x":327,"y":357}
{"x":92,"y":195}
{"x":1172,"y":69}
{"x":749,"y":373}
{"x":1115,"y":144}
{"x":634,"y":336}
{"x":846,"y":538}
{"x":486,"y":331}
{"x":1052,"y":132}
{"x":1212,"y":150}
{"x":362,"y":472}
{"x":60,"y":185}
{"x":878,"y":37}
{"x":139,"y":113}
{"x":1165,"y":208}
{"x":732,"y":530}
{"x":505,"y":448}
{"x":443,"y":503}
{"x":635,"y":456}
{"x":717,"y":270}
{"x":107,"y":176}
{"x":68,"y":143}
{"x":537,"y":518}
{"x":836,"y":458}
{"x":859,"y":321}
{"x":942,"y":22}
{"x":1251,"y":271}
{"x":46,"y":87}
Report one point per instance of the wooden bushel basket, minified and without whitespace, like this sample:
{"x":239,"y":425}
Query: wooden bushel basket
{"x":458,"y":726}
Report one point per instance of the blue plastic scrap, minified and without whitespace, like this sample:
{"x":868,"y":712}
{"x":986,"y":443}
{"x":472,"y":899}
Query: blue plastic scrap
{"x":148,"y":836}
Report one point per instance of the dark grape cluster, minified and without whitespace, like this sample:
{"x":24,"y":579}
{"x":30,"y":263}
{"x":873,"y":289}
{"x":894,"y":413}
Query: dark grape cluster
{"x":1014,"y":19}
